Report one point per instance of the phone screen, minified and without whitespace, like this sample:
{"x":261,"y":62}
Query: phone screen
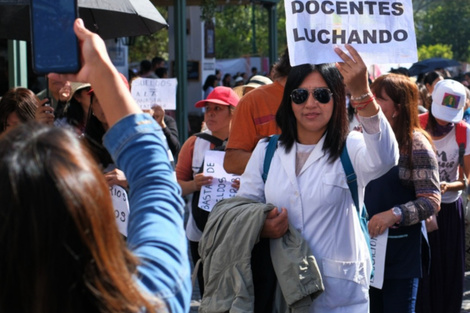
{"x":54,"y":43}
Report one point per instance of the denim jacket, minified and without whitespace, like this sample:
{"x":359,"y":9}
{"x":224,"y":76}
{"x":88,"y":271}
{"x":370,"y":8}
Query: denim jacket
{"x":155,"y":230}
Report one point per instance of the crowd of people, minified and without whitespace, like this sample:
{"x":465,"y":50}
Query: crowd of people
{"x":343,"y":150}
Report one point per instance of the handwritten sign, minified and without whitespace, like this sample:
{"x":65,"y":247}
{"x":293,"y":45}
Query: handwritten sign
{"x":221,"y":187}
{"x":379,"y":248}
{"x":381,"y":31}
{"x":148,"y":92}
{"x":121,"y":207}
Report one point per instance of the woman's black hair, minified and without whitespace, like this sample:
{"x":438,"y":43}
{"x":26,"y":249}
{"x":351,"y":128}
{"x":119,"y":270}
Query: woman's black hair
{"x":337,"y":128}
{"x":75,"y":114}
{"x":209,"y":82}
{"x":94,"y":132}
{"x":430,"y":77}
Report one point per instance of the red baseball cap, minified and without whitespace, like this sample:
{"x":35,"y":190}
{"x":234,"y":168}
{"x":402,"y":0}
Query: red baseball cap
{"x":220,"y":95}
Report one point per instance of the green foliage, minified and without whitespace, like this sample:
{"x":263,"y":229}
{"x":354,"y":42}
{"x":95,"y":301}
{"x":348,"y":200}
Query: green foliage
{"x":446,"y":23}
{"x":208,"y":10}
{"x":148,"y":47}
{"x":438,"y":50}
{"x":234,"y":31}
{"x":442,"y":29}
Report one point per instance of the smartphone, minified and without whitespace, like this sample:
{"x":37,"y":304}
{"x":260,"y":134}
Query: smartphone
{"x":53,"y":42}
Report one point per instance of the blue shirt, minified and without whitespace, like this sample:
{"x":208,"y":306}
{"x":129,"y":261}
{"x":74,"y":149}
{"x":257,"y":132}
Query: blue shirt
{"x":155,"y":230}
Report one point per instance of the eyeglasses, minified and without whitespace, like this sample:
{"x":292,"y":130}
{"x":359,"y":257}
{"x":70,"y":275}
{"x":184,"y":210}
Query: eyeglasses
{"x":300,"y":95}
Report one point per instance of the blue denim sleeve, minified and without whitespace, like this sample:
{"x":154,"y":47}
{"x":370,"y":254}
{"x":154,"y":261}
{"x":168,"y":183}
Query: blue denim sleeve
{"x":155,"y":230}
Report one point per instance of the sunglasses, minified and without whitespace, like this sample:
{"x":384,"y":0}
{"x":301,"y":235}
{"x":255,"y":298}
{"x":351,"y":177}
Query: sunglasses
{"x":300,"y":95}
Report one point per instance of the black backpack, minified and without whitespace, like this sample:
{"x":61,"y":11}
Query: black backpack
{"x":200,"y":216}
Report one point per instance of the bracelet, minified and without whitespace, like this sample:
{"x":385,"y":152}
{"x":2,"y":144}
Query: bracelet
{"x":367,"y":101}
{"x":361,"y":97}
{"x":363,"y":105}
{"x":372,"y":97}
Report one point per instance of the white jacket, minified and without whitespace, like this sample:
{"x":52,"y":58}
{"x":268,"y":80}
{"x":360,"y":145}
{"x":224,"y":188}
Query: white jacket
{"x":320,"y":206}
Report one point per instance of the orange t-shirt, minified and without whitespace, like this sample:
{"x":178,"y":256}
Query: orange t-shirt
{"x":254,"y":117}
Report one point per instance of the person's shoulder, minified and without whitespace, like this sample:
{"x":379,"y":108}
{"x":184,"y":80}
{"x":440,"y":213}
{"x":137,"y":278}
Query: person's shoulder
{"x":191,"y":139}
{"x":421,"y":142}
{"x":270,"y":88}
{"x":274,"y":90}
{"x":168,"y":118}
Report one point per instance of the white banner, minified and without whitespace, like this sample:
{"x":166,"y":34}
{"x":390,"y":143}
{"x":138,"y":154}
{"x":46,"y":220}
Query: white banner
{"x":148,"y":92}
{"x":379,"y":248}
{"x":221,"y":187}
{"x":121,"y":207}
{"x":381,"y":31}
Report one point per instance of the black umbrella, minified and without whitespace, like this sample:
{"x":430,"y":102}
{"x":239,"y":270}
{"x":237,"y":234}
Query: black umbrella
{"x":108,"y":18}
{"x":431,"y":64}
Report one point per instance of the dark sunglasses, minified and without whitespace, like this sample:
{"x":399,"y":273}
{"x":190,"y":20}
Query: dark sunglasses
{"x":300,"y":95}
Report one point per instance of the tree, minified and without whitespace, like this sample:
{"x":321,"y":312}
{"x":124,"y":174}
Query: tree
{"x":148,"y":47}
{"x":234,"y":34}
{"x":445,"y":22}
{"x":442,"y":51}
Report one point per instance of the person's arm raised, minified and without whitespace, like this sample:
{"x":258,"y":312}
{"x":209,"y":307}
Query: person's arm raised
{"x":354,"y":72}
{"x":99,"y":71}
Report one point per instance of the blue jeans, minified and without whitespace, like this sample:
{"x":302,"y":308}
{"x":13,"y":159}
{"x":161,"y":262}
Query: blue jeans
{"x":396,"y":295}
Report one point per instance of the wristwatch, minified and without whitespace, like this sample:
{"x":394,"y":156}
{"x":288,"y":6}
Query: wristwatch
{"x":397,"y":212}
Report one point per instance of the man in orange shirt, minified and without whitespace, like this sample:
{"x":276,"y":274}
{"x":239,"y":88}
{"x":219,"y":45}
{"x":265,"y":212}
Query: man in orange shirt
{"x":254,"y":118}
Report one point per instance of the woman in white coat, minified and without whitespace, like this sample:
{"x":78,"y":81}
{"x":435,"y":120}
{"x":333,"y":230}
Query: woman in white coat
{"x":306,"y":180}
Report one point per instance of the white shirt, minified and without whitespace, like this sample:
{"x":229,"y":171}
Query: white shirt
{"x":320,"y":206}
{"x":447,"y":152}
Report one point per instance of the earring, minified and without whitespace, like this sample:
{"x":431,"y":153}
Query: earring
{"x":393,"y":116}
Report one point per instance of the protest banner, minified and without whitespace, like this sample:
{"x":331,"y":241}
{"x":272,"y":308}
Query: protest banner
{"x":148,"y":92}
{"x":121,"y":207}
{"x":221,"y":187}
{"x":381,"y":31}
{"x":378,"y":247}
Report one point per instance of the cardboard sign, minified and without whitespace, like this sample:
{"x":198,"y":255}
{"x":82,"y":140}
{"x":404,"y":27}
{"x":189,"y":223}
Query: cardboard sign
{"x":381,"y":31}
{"x":379,"y":248}
{"x":148,"y":92}
{"x":121,"y":207}
{"x":221,"y":187}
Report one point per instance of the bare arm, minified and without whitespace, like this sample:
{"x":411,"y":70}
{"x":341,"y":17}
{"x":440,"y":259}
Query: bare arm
{"x":235,"y":160}
{"x":458,"y":184}
{"x":190,"y":186}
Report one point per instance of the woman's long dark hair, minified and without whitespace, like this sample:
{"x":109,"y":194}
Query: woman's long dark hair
{"x":59,"y":250}
{"x":337,"y":128}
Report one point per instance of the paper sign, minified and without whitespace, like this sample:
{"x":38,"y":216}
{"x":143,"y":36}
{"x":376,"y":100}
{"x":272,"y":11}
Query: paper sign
{"x":221,"y":187}
{"x":381,"y":31}
{"x":148,"y":92}
{"x":121,"y":207}
{"x":379,"y":248}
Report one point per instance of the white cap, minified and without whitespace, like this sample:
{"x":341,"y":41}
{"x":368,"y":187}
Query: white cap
{"x":448,"y":100}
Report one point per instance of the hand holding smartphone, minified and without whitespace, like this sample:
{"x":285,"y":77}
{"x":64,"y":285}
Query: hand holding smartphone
{"x":54,"y":44}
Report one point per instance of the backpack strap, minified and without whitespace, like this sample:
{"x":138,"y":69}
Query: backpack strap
{"x":212,"y":139}
{"x":350,"y":175}
{"x":272,"y":146}
{"x":352,"y":184}
{"x":461,"y":138}
{"x":423,"y":120}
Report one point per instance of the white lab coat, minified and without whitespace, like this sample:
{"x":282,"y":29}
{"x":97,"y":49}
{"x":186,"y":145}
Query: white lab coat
{"x":320,"y":206}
